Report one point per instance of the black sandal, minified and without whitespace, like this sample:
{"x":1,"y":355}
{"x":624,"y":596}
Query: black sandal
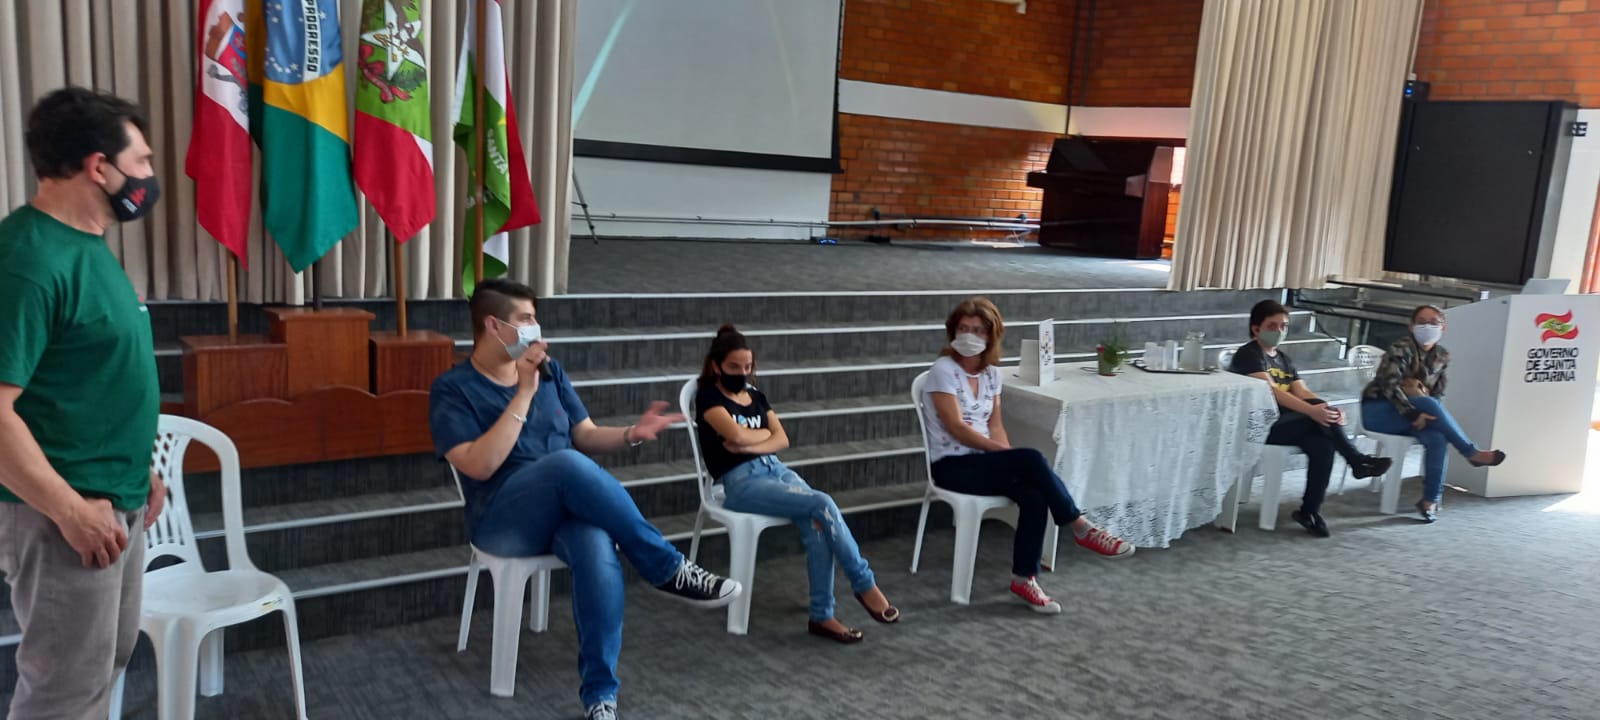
{"x":1499,"y":457}
{"x":889,"y":616}
{"x":850,"y":636}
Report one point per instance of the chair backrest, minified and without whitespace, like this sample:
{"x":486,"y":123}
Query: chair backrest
{"x":172,"y":534}
{"x":691,"y":387}
{"x":1365,"y":359}
{"x":919,"y":399}
{"x":1225,"y":359}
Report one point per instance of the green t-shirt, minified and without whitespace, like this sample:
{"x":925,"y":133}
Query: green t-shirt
{"x":76,"y":338}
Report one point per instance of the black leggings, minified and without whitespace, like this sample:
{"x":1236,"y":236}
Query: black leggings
{"x":1319,"y":444}
{"x":1023,"y":475}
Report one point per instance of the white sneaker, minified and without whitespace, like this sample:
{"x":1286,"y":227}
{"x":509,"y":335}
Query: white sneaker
{"x":604,"y":710}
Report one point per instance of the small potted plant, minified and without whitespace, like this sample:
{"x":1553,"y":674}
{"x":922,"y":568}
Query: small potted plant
{"x":1111,"y":352}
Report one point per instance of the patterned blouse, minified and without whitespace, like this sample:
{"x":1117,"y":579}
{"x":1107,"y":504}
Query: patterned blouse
{"x":1406,"y":361}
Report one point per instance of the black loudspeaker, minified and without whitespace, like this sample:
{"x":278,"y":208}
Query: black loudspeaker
{"x":1477,"y":188}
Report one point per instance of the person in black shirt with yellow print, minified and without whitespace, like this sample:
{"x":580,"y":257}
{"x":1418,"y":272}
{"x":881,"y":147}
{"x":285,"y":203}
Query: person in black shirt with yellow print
{"x":1305,"y":421}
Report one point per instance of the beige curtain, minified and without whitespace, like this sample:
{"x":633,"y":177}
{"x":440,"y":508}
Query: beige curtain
{"x":1291,"y":141}
{"x":144,"y":51}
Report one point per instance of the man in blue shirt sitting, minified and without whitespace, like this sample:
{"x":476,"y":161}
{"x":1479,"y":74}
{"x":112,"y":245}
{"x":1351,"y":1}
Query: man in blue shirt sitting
{"x":510,"y":422}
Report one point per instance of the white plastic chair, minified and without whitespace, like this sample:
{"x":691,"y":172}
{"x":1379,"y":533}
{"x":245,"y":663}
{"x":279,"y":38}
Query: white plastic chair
{"x":968,"y":513}
{"x":1274,"y":458}
{"x":186,"y":608}
{"x":1365,"y":359}
{"x":744,"y":529}
{"x":510,"y":577}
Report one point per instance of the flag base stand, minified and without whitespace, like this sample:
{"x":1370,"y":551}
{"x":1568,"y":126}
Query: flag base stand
{"x":410,"y":362}
{"x":319,"y":387}
{"x":218,"y":371}
{"x":326,"y":347}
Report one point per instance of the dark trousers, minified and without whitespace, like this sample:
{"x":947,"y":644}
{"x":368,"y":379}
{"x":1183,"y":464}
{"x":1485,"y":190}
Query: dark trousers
{"x":1319,"y":444}
{"x":1024,"y":476}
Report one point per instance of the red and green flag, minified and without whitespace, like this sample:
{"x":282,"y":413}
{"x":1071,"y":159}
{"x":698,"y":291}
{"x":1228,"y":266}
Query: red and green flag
{"x":393,"y":129}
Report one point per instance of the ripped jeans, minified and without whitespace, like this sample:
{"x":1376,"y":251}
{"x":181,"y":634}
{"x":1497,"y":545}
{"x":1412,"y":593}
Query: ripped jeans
{"x":765,"y":486}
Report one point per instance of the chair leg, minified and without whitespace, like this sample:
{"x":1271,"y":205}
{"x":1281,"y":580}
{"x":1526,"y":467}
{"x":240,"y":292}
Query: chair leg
{"x":1052,"y":540}
{"x":509,"y":587}
{"x":742,"y":542}
{"x":1249,"y":485}
{"x":297,"y":677}
{"x":694,"y":543}
{"x":922,"y":527}
{"x":467,"y":602}
{"x":1271,"y":490}
{"x":177,"y":650}
{"x":211,"y":676}
{"x":539,"y":608}
{"x":1229,"y":519}
{"x":968,"y":523}
{"x":1395,"y":450}
{"x":116,"y":696}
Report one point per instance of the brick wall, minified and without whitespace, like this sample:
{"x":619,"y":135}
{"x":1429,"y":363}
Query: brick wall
{"x":909,"y":167}
{"x":1511,"y":50}
{"x":967,"y":46}
{"x":1142,"y":55}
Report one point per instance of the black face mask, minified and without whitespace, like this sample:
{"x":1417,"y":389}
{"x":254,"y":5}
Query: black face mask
{"x":733,"y":383}
{"x":137,"y":196}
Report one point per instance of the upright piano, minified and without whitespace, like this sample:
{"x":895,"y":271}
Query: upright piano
{"x":1106,"y":197}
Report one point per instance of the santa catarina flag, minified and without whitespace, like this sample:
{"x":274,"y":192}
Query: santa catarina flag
{"x":509,"y":202}
{"x":393,"y":140}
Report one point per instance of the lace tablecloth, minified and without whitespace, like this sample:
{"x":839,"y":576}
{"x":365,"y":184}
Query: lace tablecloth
{"x":1147,"y":456}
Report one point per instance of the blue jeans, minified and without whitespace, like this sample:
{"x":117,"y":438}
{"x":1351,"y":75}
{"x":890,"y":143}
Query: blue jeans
{"x":1380,"y":415}
{"x":1025,"y":476}
{"x":764,"y":486}
{"x":566,"y":504}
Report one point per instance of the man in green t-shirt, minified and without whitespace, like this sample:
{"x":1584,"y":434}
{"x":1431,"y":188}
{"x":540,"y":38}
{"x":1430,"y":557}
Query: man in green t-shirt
{"x":79,"y":401}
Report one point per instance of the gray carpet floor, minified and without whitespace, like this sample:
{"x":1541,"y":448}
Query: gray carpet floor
{"x":628,"y":266}
{"x":1494,"y":612}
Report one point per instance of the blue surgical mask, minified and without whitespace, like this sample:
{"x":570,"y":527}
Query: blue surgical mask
{"x":526,"y":336}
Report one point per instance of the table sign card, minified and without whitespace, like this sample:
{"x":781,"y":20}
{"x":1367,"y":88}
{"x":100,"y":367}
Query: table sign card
{"x":1028,"y":364}
{"x":1047,"y":351}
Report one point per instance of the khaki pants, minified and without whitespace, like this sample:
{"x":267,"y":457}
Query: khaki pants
{"x":79,"y":625}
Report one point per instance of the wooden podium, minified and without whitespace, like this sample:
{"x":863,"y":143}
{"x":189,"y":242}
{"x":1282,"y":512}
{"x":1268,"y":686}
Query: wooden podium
{"x":1522,"y":379}
{"x":325,"y":347}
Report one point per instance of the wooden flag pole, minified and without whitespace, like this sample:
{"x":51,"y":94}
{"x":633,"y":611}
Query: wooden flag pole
{"x":233,"y":299}
{"x":481,"y":147}
{"x":399,"y":284}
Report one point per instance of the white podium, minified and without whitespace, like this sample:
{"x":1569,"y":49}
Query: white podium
{"x":1522,"y":379}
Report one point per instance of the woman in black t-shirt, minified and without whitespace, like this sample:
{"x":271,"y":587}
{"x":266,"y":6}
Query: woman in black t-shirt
{"x":739,"y":436}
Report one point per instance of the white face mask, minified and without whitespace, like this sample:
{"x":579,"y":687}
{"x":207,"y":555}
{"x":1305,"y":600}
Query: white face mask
{"x":526,"y":335}
{"x":968,"y":344}
{"x":1427,"y":334}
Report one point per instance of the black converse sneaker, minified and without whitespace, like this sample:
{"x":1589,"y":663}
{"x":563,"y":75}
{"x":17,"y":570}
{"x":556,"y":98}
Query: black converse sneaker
{"x":604,"y":710}
{"x":694,"y":585}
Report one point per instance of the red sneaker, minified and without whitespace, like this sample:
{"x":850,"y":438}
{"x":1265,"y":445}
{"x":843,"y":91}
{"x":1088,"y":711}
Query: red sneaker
{"x":1104,"y":543}
{"x":1034,"y":596}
